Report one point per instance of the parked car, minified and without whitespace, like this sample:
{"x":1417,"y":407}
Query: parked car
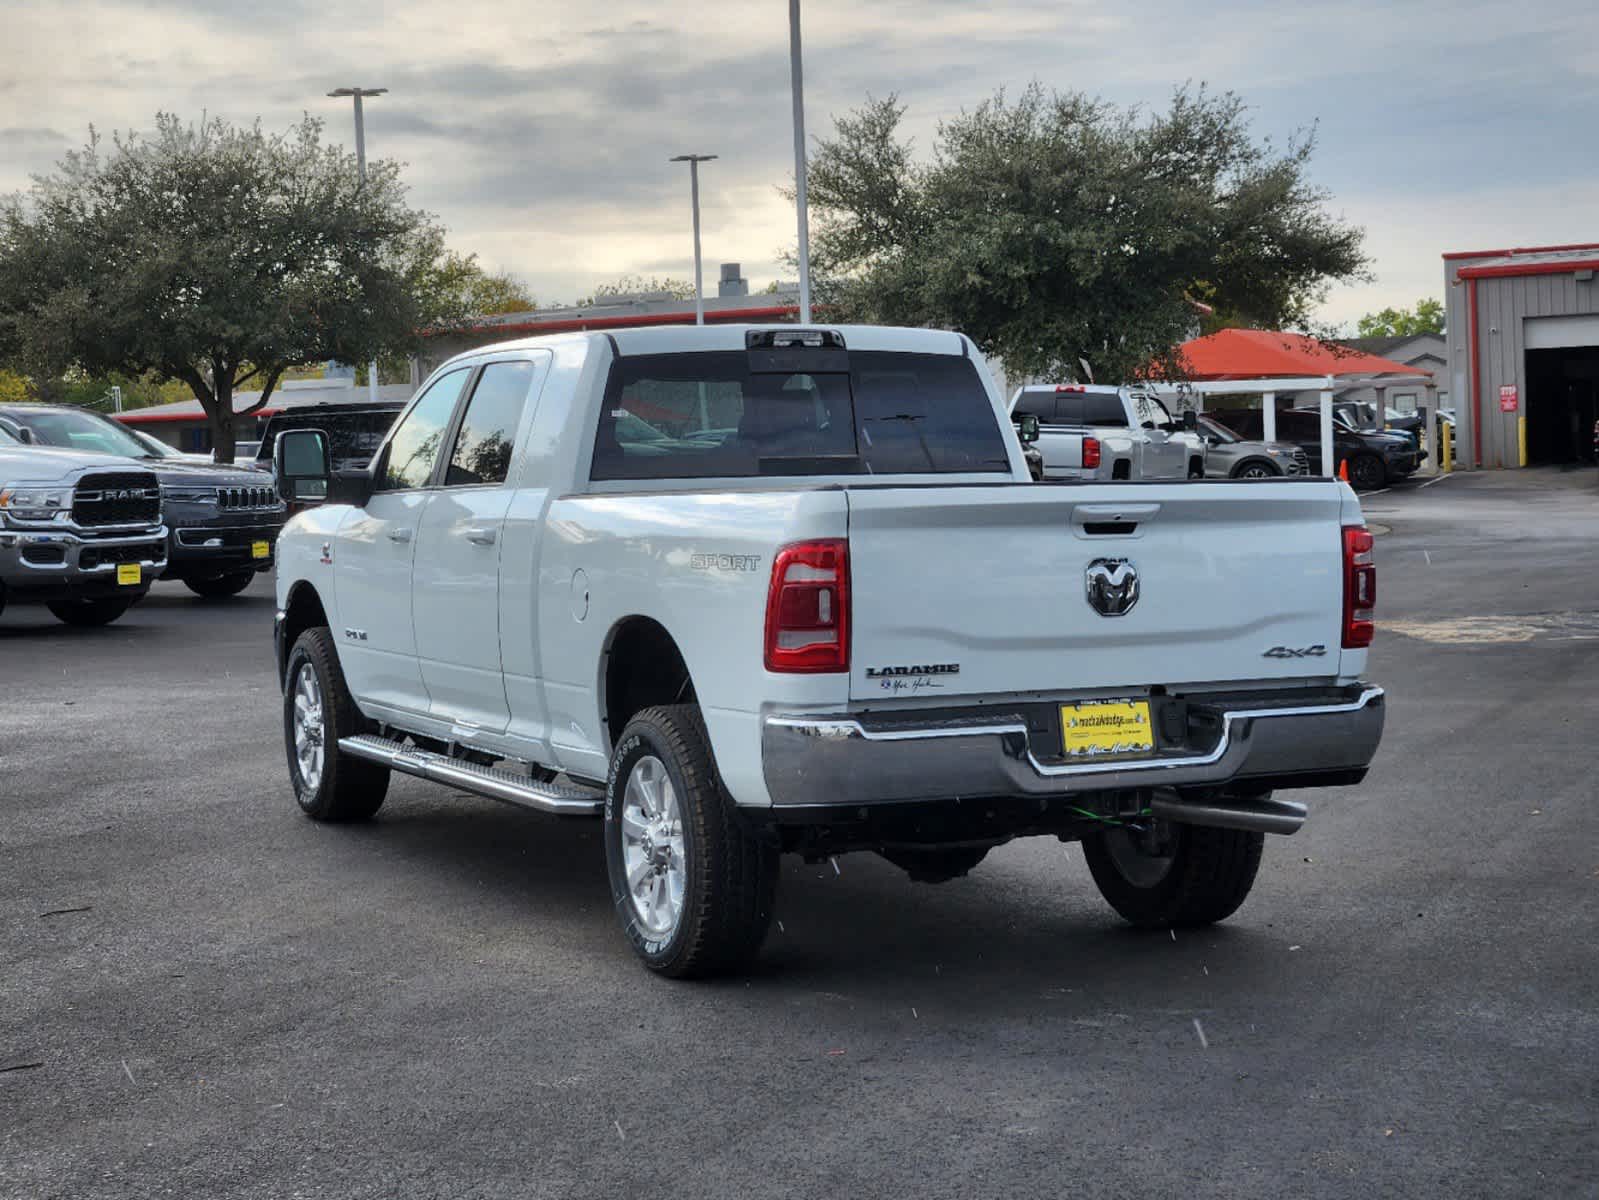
{"x":1099,"y":432}
{"x":805,"y":606}
{"x":223,"y":521}
{"x":1228,"y":456}
{"x":1363,"y":417}
{"x":1374,"y":459}
{"x":79,"y":533}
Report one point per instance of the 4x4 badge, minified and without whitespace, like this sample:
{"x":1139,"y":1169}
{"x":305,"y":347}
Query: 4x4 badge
{"x":1316,"y":651}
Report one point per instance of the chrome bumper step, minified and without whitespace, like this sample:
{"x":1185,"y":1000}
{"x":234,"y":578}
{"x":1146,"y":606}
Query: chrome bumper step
{"x":564,"y":799}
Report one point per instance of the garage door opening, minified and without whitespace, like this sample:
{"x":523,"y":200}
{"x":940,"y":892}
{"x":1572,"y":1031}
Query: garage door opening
{"x":1562,"y":405}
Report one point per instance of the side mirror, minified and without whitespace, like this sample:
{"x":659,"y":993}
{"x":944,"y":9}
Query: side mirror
{"x":25,"y":435}
{"x":1026,"y":427}
{"x":301,"y":466}
{"x":1190,"y":420}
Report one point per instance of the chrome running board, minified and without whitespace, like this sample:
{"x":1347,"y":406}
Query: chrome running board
{"x":564,"y":799}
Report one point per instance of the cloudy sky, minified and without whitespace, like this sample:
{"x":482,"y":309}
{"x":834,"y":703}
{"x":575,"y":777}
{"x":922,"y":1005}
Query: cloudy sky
{"x":539,"y":131}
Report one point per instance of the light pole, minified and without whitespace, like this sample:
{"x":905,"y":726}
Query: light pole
{"x":360,"y":162}
{"x":797,"y":79}
{"x":694,"y":161}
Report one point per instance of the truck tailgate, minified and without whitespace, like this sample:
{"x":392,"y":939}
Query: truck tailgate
{"x":963,"y":590}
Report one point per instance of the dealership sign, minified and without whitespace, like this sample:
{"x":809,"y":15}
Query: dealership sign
{"x":1509,"y":401}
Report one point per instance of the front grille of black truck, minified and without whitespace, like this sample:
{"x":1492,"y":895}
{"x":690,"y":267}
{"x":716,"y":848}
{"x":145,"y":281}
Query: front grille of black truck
{"x":117,"y":498}
{"x":233,"y":499}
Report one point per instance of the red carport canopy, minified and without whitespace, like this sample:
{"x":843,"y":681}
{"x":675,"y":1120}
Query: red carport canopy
{"x":1269,"y":354}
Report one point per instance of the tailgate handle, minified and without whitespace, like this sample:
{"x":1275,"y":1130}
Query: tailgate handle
{"x":1110,"y":520}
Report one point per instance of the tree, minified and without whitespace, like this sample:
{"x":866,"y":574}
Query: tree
{"x":632,"y":285}
{"x":488,"y":294}
{"x":1426,"y":317}
{"x":218,"y":256}
{"x":1055,"y":227}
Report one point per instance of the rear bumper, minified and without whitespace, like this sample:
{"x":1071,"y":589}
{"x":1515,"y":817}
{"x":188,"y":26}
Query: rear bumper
{"x":822,"y":761}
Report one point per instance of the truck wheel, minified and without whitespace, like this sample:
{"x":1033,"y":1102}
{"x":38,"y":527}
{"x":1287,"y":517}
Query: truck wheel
{"x":1174,"y":874}
{"x":223,"y":585}
{"x":1367,"y":472}
{"x":1196,"y":468}
{"x":1255,"y":468}
{"x":317,"y":711}
{"x":935,"y":864}
{"x":87,"y":613}
{"x":692,"y":886}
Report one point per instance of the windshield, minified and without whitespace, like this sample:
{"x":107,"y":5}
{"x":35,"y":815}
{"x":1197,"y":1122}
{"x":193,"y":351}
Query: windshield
{"x":84,"y":431}
{"x":710,"y":415}
{"x":154,"y":445}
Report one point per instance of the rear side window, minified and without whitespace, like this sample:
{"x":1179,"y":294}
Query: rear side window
{"x":1103,"y":408}
{"x":414,"y":449}
{"x":482,"y":451}
{"x":708,"y":415}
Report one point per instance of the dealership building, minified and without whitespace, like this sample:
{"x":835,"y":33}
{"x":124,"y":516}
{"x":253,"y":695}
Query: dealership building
{"x":1523,"y":351}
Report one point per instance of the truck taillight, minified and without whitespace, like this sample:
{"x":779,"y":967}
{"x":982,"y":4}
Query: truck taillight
{"x":1090,"y":453}
{"x":807,"y":608}
{"x":1360,"y":588}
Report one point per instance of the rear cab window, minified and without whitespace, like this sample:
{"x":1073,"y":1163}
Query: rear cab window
{"x":754,"y":414}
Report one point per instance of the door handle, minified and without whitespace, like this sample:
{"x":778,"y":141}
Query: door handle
{"x":399,"y":535}
{"x":480,"y":537}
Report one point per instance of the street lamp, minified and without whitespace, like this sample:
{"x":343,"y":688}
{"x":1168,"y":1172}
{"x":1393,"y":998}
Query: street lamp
{"x":797,"y":82}
{"x":360,"y":162}
{"x":694,"y":161}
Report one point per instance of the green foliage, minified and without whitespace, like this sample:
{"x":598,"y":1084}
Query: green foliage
{"x":218,"y":256}
{"x":488,"y":294}
{"x":1055,"y":227}
{"x":1426,"y":317}
{"x":15,"y":388}
{"x":628,"y":285}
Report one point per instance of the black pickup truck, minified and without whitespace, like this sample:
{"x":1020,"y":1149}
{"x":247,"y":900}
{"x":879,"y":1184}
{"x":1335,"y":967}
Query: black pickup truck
{"x":224,"y":521}
{"x":1374,"y":459}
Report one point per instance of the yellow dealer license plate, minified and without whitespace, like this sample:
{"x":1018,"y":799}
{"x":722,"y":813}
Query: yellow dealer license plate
{"x":129,"y":573}
{"x":1106,"y":727}
{"x":260,"y":550}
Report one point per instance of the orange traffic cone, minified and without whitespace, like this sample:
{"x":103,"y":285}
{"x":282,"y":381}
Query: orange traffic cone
{"x":1343,"y":470}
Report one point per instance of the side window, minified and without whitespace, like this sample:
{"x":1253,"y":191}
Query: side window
{"x":482,"y":452}
{"x":416,"y":442}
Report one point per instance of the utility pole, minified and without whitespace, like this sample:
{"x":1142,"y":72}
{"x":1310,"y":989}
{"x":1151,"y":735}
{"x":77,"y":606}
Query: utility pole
{"x":797,"y":78}
{"x":694,"y":161}
{"x":360,"y":162}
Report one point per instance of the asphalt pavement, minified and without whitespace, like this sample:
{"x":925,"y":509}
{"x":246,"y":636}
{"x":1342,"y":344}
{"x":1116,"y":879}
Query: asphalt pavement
{"x":203,"y":994}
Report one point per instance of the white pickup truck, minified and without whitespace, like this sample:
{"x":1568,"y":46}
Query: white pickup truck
{"x":743,"y":590}
{"x":1098,"y":432}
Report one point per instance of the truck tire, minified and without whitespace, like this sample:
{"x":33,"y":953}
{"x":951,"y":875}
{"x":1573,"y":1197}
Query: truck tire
{"x":1189,"y":875}
{"x":1196,"y":468}
{"x":317,"y":711}
{"x":222,"y":585}
{"x":88,"y":613}
{"x":1367,"y":472}
{"x":935,"y":864}
{"x":692,"y":885}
